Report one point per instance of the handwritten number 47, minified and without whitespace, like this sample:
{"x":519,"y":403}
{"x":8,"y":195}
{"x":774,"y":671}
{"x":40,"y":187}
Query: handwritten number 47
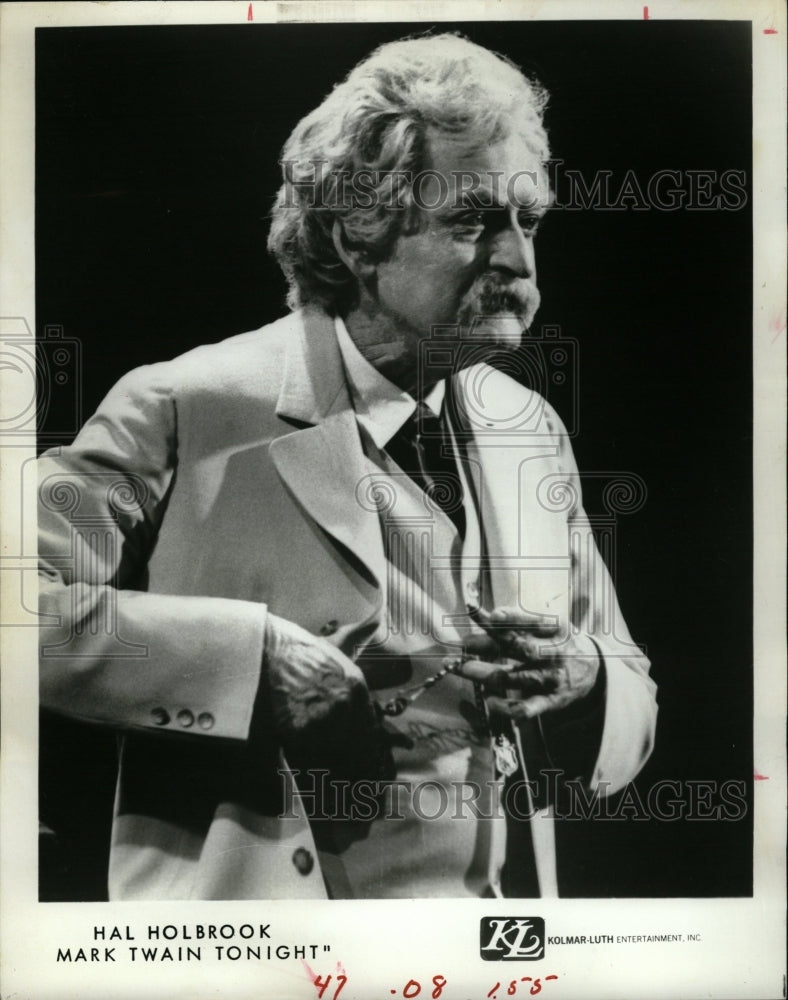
{"x":536,"y":986}
{"x":321,"y":986}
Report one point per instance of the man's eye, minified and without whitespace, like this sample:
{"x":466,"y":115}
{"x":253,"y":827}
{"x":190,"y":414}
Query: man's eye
{"x":472,"y":220}
{"x":478,"y":220}
{"x":529,"y":224}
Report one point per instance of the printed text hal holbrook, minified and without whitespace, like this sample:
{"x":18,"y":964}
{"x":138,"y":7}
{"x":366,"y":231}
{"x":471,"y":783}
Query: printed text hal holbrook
{"x":157,"y":946}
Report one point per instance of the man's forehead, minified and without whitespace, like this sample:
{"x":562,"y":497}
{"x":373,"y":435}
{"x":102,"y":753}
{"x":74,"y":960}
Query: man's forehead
{"x":504,"y":173}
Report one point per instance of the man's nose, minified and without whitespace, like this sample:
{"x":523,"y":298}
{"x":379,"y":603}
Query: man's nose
{"x":513,"y":251}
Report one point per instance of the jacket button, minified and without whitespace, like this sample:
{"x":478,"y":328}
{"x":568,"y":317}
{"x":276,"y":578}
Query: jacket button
{"x":330,"y":627}
{"x":160,"y":716}
{"x":303,"y":860}
{"x":186,"y":718}
{"x":205,"y":720}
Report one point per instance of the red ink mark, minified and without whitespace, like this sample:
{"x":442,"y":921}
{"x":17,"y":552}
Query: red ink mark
{"x":760,"y":777}
{"x":777,"y":324}
{"x":770,"y":31}
{"x":249,"y":14}
{"x":320,"y":986}
{"x":645,"y":13}
{"x":512,"y":990}
{"x":341,"y":969}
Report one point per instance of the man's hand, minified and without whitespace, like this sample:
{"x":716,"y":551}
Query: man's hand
{"x":537,"y":674}
{"x":308,"y":678}
{"x":320,"y":705}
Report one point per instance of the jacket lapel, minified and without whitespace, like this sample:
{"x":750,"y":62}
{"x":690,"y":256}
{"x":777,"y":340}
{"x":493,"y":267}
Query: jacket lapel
{"x":507,"y":450}
{"x":323,"y":462}
{"x":504,"y":452}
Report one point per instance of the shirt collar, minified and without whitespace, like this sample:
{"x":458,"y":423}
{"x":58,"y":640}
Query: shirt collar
{"x":381,"y":407}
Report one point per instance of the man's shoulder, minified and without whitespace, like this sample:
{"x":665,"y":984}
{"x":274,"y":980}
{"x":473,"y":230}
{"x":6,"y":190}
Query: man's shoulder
{"x":250,"y":362}
{"x":249,"y":356}
{"x":493,"y":400}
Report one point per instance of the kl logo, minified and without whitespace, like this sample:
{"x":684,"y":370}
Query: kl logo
{"x":512,"y":939}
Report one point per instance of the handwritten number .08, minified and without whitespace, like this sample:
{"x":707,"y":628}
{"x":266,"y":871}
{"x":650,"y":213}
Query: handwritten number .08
{"x":413,"y":988}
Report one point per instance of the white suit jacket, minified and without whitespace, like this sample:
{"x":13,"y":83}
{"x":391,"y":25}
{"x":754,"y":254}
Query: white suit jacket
{"x":211,"y":488}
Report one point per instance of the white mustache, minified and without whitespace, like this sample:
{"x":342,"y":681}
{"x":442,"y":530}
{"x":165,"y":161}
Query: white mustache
{"x":489,"y":296}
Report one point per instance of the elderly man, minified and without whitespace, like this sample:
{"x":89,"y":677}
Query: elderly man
{"x":332,"y":579}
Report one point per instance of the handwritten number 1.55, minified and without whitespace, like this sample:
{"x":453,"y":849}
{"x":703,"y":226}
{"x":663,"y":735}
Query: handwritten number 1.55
{"x":511,"y":990}
{"x":321,"y":986}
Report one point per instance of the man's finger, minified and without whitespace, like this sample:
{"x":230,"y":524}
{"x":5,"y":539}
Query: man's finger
{"x":481,"y":646}
{"x":526,"y":649}
{"x":529,"y":682}
{"x":517,"y":619}
{"x":492,"y":675}
{"x":513,"y":641}
{"x":522,"y":708}
{"x":512,"y":708}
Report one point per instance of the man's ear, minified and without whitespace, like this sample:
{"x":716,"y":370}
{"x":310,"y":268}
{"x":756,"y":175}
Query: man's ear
{"x":356,"y":260}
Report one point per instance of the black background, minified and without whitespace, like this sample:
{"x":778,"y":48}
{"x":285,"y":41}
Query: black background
{"x":156,"y":164}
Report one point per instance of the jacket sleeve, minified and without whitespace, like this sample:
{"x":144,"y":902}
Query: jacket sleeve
{"x":111,"y":652}
{"x":608,"y":737}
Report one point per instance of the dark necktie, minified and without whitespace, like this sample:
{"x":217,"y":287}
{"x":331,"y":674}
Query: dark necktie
{"x":422,"y":449}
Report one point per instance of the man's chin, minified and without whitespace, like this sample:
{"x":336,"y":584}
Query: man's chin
{"x":503,"y":332}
